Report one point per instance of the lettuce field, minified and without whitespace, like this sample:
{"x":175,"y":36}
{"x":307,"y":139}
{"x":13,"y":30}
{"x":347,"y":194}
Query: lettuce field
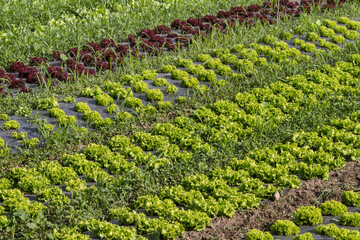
{"x":177,"y":119}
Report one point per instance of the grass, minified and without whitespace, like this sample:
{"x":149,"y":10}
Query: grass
{"x":131,"y":186}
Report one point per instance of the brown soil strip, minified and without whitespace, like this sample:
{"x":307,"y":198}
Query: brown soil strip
{"x":311,"y":192}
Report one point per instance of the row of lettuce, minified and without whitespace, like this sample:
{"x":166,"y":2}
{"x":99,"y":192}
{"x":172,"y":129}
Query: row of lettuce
{"x":340,"y":32}
{"x":311,"y":215}
{"x":107,"y":54}
{"x":327,"y":29}
{"x":307,"y":154}
{"x":214,"y":68}
{"x":147,"y":39}
{"x":319,"y":151}
{"x":217,"y":68}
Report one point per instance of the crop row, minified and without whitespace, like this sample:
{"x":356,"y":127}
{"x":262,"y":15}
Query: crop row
{"x":267,"y":165}
{"x":213,"y":196}
{"x":107,"y":54}
{"x":239,"y":58}
{"x":213,"y":126}
{"x":216,"y":189}
{"x":327,"y":29}
{"x":311,"y":215}
{"x":221,"y":66}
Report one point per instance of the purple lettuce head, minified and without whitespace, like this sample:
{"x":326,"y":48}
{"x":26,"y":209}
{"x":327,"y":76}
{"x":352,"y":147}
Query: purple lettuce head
{"x":107,"y":43}
{"x":92,"y":47}
{"x":36,"y":61}
{"x":57,"y":55}
{"x":18,"y":67}
{"x":2,"y":73}
{"x":16,"y":83}
{"x":162,"y":29}
{"x":25,"y":90}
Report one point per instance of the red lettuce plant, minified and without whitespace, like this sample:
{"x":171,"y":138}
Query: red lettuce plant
{"x":36,"y":61}
{"x":25,"y":90}
{"x":162,"y":29}
{"x":254,"y":8}
{"x":73,"y":52}
{"x":16,"y":83}
{"x":17,"y":67}
{"x":92,"y":47}
{"x":57,"y":55}
{"x":28,"y":70}
{"x":2,"y":73}
{"x":108,"y":43}
{"x":33,"y":77}
{"x":224,"y":14}
{"x":87,"y":59}
{"x":58,"y":73}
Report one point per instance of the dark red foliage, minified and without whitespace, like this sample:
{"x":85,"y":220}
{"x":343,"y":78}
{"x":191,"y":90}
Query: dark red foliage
{"x":122,"y":47}
{"x":92,"y":47}
{"x":45,"y":81}
{"x":151,"y":47}
{"x":70,"y":62}
{"x":16,"y":83}
{"x":224,"y":14}
{"x":36,"y":61}
{"x":58,"y":72}
{"x":254,"y":8}
{"x":133,"y":40}
{"x":304,"y":9}
{"x":249,"y":22}
{"x":169,"y":44}
{"x":2,"y":91}
{"x":73,"y":52}
{"x":75,"y":66}
{"x":195,"y":21}
{"x":238,"y":10}
{"x":266,"y":4}
{"x":135,"y":52}
{"x":87,"y":72}
{"x":25,"y":90}
{"x":2,"y":73}
{"x":328,"y":6}
{"x":157,"y":39}
{"x":57,"y":55}
{"x":147,"y":33}
{"x":101,"y":65}
{"x":250,"y":15}
{"x":292,"y":4}
{"x":25,"y":72}
{"x":9,"y":77}
{"x":209,"y":18}
{"x":110,"y":55}
{"x":33,"y":77}
{"x":189,"y":30}
{"x":149,"y":40}
{"x":87,"y":59}
{"x":231,"y":24}
{"x":18,"y":67}
{"x":172,"y":35}
{"x":182,"y":39}
{"x":265,"y":11}
{"x":162,"y":29}
{"x":108,"y":43}
{"x":177,"y":24}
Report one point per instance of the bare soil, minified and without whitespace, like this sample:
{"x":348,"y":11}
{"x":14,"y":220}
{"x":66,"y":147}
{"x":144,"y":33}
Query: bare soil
{"x":311,"y":192}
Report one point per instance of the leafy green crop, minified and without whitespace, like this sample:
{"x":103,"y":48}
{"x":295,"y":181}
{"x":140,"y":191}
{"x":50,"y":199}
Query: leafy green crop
{"x":284,"y":227}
